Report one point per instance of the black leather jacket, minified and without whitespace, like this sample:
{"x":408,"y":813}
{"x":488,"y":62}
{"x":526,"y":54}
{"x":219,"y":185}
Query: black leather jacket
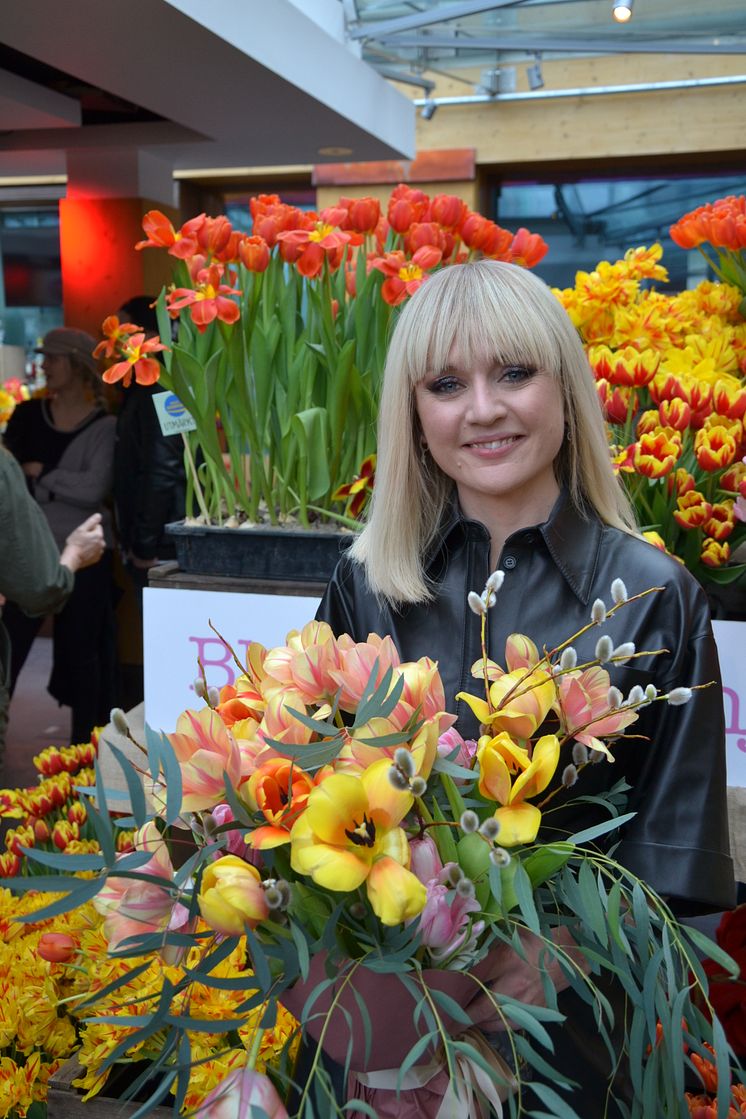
{"x":678,"y":841}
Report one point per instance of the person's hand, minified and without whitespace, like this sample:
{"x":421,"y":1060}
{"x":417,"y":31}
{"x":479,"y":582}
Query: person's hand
{"x":515,"y":978}
{"x":32,"y":469}
{"x":85,"y":544}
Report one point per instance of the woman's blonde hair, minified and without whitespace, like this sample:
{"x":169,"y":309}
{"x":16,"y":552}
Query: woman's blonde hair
{"x":505,"y":312}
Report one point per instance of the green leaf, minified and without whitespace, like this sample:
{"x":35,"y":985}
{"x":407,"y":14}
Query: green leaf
{"x":589,"y":834}
{"x":84,"y":891}
{"x":134,"y":785}
{"x":525,"y":897}
{"x":450,"y":1006}
{"x":712,"y":950}
{"x":542,"y":863}
{"x":313,"y":756}
{"x":418,"y":1049}
{"x":310,"y":429}
{"x":60,"y":861}
{"x":560,"y":1108}
{"x":594,"y":910}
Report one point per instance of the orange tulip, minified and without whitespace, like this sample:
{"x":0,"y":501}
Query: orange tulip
{"x":715,"y":554}
{"x":309,"y":248}
{"x":656,"y":454}
{"x":207,"y":300}
{"x":363,"y":214}
{"x":253,"y":252}
{"x":56,"y":948}
{"x":447,"y":210}
{"x":162,"y":235}
{"x":406,"y":206}
{"x":527,"y":249}
{"x":279,"y":789}
{"x":693,"y":510}
{"x":134,"y":351}
{"x":403,"y":277}
{"x":714,"y":448}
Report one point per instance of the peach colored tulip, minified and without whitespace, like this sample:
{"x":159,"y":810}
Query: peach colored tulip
{"x":358,"y":659}
{"x":584,"y":708}
{"x":206,"y":751}
{"x":231,"y":896}
{"x":237,"y":1096}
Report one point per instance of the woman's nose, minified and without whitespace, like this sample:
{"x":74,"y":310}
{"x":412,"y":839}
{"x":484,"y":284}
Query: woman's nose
{"x":485,"y":403}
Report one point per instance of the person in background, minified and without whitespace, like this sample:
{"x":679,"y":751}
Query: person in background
{"x":64,"y":444}
{"x":149,"y":482}
{"x":32,"y":571}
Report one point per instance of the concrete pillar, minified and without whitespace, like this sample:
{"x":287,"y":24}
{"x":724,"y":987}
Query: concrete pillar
{"x":108,"y":192}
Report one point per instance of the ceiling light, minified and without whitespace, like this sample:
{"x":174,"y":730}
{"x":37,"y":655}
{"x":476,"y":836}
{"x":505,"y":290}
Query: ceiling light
{"x":534,"y":75}
{"x":622,"y":10}
{"x":428,"y":110}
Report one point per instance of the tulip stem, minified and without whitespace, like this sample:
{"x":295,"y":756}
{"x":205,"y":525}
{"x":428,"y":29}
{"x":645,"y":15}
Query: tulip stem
{"x":256,"y":1043}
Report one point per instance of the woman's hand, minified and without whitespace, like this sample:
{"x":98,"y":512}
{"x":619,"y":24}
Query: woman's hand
{"x":85,"y":544}
{"x":32,"y":469}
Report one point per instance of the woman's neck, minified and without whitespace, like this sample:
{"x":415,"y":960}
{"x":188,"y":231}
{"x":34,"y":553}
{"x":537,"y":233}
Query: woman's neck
{"x":503,"y":517}
{"x":69,"y":408}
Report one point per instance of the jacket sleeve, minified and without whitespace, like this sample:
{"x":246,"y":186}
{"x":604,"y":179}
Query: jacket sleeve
{"x":30,"y":570}
{"x":88,"y":487}
{"x":337,"y":607}
{"x":159,"y":473}
{"x":678,"y":840}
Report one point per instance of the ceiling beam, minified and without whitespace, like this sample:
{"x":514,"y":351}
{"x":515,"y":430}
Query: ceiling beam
{"x":372,"y":30}
{"x":557,"y":44}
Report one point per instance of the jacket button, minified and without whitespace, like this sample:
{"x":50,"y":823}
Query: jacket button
{"x":509,"y":563}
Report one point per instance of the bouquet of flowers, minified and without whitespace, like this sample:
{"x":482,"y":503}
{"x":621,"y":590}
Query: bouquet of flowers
{"x":282,"y":337}
{"x":321,"y":826}
{"x":670,"y":375}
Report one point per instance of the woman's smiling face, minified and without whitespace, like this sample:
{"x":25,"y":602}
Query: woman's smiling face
{"x":496,"y":429}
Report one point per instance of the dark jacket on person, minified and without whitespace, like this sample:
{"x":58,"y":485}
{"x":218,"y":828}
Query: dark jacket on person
{"x":678,"y":840}
{"x":149,"y":480}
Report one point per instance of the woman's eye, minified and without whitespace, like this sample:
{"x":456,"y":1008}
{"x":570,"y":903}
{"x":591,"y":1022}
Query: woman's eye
{"x":444,"y":386}
{"x":517,"y":373}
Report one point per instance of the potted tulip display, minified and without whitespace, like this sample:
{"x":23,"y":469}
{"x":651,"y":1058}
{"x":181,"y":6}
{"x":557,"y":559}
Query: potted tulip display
{"x":278,"y":352}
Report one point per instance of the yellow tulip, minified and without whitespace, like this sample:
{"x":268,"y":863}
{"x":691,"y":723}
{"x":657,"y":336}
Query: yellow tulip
{"x":518,"y":819}
{"x":231,"y":896}
{"x":349,"y":834}
{"x":519,"y":702}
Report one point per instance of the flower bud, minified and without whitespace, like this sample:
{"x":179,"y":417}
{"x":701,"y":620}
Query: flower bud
{"x":651,"y":693}
{"x":398,"y":779}
{"x":618,"y":591}
{"x":425,"y":862}
{"x":469,"y":821}
{"x":500,"y":857}
{"x":475,"y":603}
{"x":489,"y":828}
{"x":119,"y":721}
{"x":56,"y":948}
{"x":598,"y":611}
{"x":418,"y":786}
{"x":569,"y":776}
{"x":357,"y":910}
{"x":404,"y":761}
{"x":213,"y":697}
{"x":569,"y":659}
{"x":200,"y":688}
{"x":596,"y":757}
{"x":453,"y":874}
{"x":614,"y":698}
{"x":624,"y":651}
{"x":495,"y":581}
{"x":579,"y":753}
{"x":465,"y":888}
{"x":636,"y":695}
{"x":604,"y":648}
{"x":488,"y":598}
{"x":679,"y":696}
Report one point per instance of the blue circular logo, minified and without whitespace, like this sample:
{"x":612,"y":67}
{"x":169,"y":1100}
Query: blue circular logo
{"x":174,"y":407}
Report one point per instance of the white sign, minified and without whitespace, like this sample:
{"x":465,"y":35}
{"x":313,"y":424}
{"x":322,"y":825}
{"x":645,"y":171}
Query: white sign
{"x":177,"y":634}
{"x":731,"y":643}
{"x":172,"y":415}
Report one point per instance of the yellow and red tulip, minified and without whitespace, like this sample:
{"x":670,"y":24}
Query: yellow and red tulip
{"x":715,"y":554}
{"x":714,"y":448}
{"x":656,"y":454}
{"x":693,"y":510}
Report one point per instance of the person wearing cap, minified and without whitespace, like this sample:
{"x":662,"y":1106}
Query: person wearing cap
{"x":64,"y":444}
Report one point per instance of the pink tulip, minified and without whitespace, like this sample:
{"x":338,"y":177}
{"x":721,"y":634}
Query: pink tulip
{"x":357,"y":667}
{"x":425,"y":861}
{"x":445,"y":924}
{"x":206,"y":751}
{"x":134,"y":908}
{"x":235,"y":842}
{"x":241,"y":1091}
{"x":307,"y":662}
{"x":467,"y":747}
{"x":584,"y":704}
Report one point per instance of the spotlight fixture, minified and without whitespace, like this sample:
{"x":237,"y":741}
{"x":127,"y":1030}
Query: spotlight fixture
{"x":428,"y":110}
{"x":534,"y":75}
{"x":622,"y":10}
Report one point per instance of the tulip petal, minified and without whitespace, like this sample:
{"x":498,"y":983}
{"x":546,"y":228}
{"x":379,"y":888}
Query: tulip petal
{"x":478,"y":706}
{"x":544,"y":761}
{"x":395,"y":893}
{"x":519,"y":823}
{"x":387,"y":805}
{"x":337,"y":805}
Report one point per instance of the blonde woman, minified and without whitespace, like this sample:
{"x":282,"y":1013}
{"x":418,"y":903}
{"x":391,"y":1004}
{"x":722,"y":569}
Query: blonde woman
{"x":493,"y":455}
